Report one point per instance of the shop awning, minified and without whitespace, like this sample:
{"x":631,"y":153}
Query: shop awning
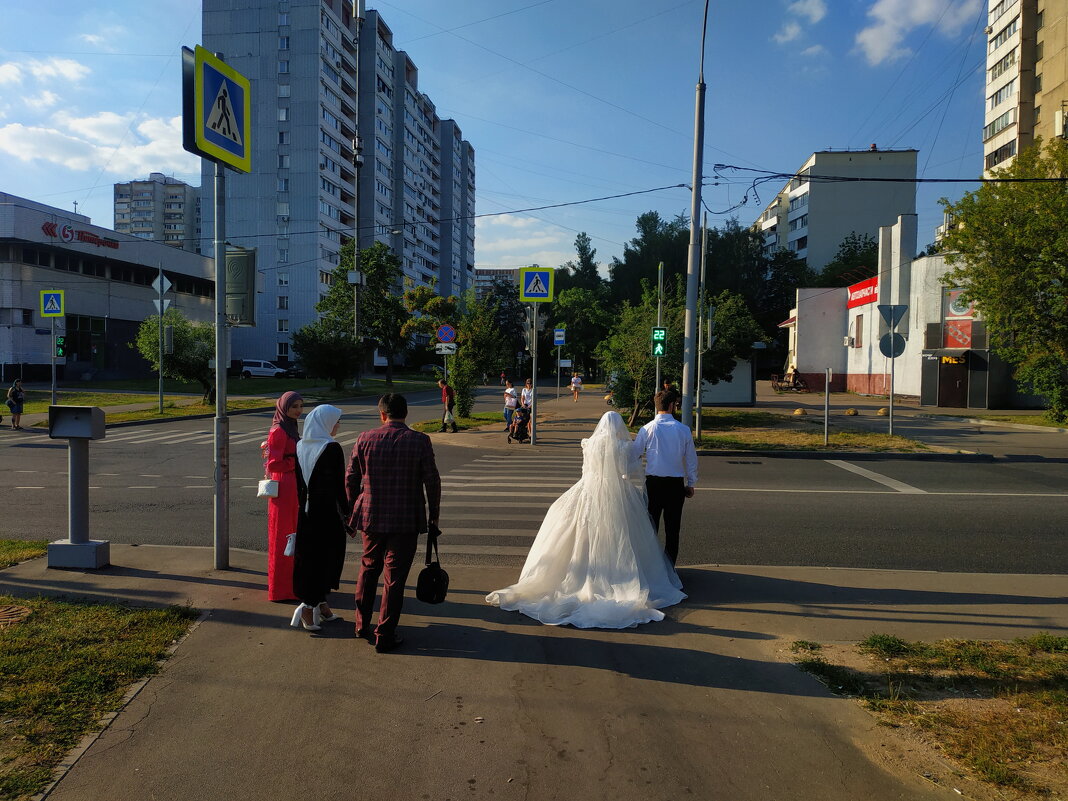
{"x":789,"y":321}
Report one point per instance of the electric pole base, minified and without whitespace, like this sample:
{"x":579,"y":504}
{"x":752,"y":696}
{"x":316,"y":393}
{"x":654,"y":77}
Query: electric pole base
{"x":90,"y":555}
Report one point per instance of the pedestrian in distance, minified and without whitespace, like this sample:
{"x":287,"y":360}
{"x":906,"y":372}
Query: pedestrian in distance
{"x":576,"y":386}
{"x":511,"y":403}
{"x":394,"y":492}
{"x":280,"y":463}
{"x":319,"y":548}
{"x":503,"y":378}
{"x":667,"y":386}
{"x":670,"y":468}
{"x":527,"y":395}
{"x":448,"y":403}
{"x":16,"y":398}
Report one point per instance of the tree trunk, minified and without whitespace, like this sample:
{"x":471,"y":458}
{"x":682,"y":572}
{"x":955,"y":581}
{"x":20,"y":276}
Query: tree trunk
{"x":389,"y":368}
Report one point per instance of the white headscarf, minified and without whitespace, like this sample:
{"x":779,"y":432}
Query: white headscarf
{"x":317,"y":427}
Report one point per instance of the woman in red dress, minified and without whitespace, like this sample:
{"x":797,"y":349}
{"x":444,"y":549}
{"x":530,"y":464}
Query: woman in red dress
{"x":280,"y":455}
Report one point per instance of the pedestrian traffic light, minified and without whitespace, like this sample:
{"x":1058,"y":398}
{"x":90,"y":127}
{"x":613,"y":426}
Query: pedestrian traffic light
{"x":658,"y":349}
{"x":659,"y":339}
{"x":61,"y":346}
{"x":659,"y":334}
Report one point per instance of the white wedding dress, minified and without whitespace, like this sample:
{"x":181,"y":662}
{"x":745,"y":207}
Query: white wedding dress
{"x":596,"y":562}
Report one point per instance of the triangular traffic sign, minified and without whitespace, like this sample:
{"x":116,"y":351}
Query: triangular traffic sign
{"x":535,"y":286}
{"x":52,"y":303}
{"x":222,"y":119}
{"x":893,"y":312}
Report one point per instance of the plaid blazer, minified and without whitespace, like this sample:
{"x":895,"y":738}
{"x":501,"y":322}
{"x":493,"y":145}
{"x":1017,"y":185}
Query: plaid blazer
{"x":390,"y":470}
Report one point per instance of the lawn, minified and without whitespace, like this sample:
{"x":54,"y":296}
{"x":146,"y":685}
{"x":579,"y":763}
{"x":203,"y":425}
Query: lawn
{"x":63,"y":666}
{"x":14,"y":551}
{"x":999,"y":709}
{"x":463,"y":423}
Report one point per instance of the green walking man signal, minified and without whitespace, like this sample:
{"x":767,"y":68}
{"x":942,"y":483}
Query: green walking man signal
{"x":659,"y":339}
{"x":61,"y":346}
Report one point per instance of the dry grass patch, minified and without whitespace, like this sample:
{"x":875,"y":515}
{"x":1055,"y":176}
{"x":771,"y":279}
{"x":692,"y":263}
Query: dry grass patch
{"x":998,"y":709}
{"x":14,"y":551}
{"x":732,"y":429}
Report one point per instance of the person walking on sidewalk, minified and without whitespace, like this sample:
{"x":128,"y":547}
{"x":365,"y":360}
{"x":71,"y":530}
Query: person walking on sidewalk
{"x":280,"y":463}
{"x":391,"y":481}
{"x":15,"y":400}
{"x":670,"y":468}
{"x":511,"y":403}
{"x":576,"y":386}
{"x":448,"y":403}
{"x":526,"y":397}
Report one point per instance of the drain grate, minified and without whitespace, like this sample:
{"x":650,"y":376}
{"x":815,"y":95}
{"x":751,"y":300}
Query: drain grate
{"x":10,"y":615}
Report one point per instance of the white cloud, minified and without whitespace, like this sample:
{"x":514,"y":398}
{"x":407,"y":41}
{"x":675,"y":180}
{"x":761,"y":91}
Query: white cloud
{"x":62,"y":68}
{"x":104,"y":37}
{"x":106,"y":127}
{"x":10,"y":72}
{"x":44,"y":100}
{"x":155,"y":145}
{"x":815,"y":10}
{"x":789,"y":32}
{"x":511,"y":240}
{"x":893,"y":20}
{"x":815,"y":50}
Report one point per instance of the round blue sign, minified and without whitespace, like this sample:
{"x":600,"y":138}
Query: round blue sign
{"x":446,"y":333}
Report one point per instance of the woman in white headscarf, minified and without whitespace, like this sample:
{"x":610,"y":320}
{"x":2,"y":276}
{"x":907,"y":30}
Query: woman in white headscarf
{"x":596,"y":562}
{"x":320,"y":541}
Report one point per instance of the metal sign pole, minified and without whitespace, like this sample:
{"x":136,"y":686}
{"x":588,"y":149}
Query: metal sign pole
{"x":222,"y":422}
{"x":160,"y":310}
{"x":827,"y":407}
{"x":659,"y":310}
{"x":534,"y":382}
{"x":893,"y":330}
{"x":558,"y":372}
{"x":53,"y":361}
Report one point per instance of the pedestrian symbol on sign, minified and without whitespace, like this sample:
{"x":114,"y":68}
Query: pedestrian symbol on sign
{"x":51,"y":303}
{"x":535,"y":285}
{"x":222,"y":119}
{"x":658,"y":349}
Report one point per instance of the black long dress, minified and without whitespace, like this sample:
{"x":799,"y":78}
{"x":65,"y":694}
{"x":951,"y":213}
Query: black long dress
{"x":320,"y":545}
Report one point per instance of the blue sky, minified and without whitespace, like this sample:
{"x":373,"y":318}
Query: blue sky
{"x":563,"y":100}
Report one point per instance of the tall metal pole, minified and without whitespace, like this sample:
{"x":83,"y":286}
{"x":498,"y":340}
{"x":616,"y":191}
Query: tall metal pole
{"x":702,"y":337}
{"x":54,"y":361}
{"x":893,"y":331}
{"x":357,"y":274}
{"x":160,"y":337}
{"x":558,"y":372}
{"x":222,"y":422}
{"x":827,"y":407}
{"x":659,"y":313}
{"x":689,"y":346}
{"x":534,"y":381}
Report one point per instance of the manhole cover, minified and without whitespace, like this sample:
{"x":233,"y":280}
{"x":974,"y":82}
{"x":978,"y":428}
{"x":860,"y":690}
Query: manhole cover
{"x":9,"y":615}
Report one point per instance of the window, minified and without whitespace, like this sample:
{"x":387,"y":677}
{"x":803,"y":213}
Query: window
{"x":1040,"y":51}
{"x":283,"y":113}
{"x":1006,"y":151}
{"x":1003,"y":94}
{"x":283,"y":255}
{"x":283,"y":184}
{"x":1003,"y":35}
{"x":283,"y":90}
{"x":283,"y":279}
{"x":998,"y":69}
{"x":283,"y":326}
{"x":27,"y":316}
{"x":283,"y":161}
{"x":282,"y":209}
{"x":283,"y":67}
{"x":283,"y":350}
{"x":1038,"y":83}
{"x":283,"y":42}
{"x":800,"y":222}
{"x":858,"y":331}
{"x":1040,"y":20}
{"x":1038,"y":114}
{"x":1000,"y":124}
{"x":283,"y":137}
{"x":799,"y":201}
{"x":283,"y":301}
{"x":283,"y":18}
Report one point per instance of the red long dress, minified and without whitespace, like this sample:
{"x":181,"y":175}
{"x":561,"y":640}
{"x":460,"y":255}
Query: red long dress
{"x":281,"y":514}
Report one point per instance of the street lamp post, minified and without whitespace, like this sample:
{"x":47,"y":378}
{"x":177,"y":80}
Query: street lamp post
{"x":355,"y":276}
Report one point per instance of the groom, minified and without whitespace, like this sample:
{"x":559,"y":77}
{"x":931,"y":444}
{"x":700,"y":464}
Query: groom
{"x":670,"y":467}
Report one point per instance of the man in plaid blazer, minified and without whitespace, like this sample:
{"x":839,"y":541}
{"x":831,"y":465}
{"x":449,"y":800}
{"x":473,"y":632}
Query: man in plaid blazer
{"x":391,"y":470}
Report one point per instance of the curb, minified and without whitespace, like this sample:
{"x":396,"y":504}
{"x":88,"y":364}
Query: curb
{"x":857,"y":456}
{"x":980,"y":422}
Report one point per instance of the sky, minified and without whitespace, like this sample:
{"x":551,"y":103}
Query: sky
{"x":564,"y":102}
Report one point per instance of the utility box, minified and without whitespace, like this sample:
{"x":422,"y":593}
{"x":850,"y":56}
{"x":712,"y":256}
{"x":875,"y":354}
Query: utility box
{"x":85,"y":422}
{"x":77,"y":425}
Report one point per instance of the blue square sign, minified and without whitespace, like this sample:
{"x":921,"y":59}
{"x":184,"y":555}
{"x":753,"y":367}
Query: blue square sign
{"x":535,"y":285}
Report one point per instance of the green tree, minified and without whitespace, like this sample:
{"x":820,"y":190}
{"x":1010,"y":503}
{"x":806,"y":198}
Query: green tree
{"x":1009,"y":251}
{"x":857,"y":259}
{"x":582,"y":273}
{"x":478,"y":345}
{"x":736,"y":330}
{"x":658,"y":241}
{"x":194,"y":346}
{"x":585,"y":315}
{"x":509,"y":319}
{"x":327,"y":351}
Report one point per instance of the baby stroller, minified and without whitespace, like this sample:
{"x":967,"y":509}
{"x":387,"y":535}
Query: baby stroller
{"x":518,"y":430}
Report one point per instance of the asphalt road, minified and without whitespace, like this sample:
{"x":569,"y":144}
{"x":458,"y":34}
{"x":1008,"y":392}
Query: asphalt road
{"x":153,"y":485}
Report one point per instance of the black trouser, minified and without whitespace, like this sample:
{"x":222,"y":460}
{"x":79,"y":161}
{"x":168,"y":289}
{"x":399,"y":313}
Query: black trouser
{"x":666,"y":495}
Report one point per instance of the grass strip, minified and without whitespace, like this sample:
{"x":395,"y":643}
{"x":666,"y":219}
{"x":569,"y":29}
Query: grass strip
{"x":62,"y":669}
{"x":476,"y":420}
{"x":14,"y":551}
{"x":998,"y":708}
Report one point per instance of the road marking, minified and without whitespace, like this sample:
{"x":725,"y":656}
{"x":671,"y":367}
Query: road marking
{"x":143,"y":487}
{"x":491,"y":532}
{"x":484,"y":550}
{"x":499,"y":518}
{"x":29,"y":487}
{"x":511,"y":483}
{"x":883,"y":492}
{"x":210,"y":477}
{"x":511,"y":504}
{"x":25,"y":471}
{"x":198,"y":486}
{"x":506,"y":494}
{"x":879,"y":478}
{"x":107,"y":474}
{"x":149,"y":475}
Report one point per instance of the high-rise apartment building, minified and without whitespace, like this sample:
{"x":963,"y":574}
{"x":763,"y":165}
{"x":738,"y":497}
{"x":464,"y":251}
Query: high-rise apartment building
{"x":321,"y":78}
{"x":810,"y":216}
{"x":1026,"y":76}
{"x":162,"y":209}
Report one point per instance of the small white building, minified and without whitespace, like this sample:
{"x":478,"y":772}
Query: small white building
{"x":945,"y":360}
{"x":106,"y":280}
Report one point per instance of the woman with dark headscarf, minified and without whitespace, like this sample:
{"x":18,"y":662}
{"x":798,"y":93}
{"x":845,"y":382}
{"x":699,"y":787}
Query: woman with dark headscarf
{"x":280,"y":459}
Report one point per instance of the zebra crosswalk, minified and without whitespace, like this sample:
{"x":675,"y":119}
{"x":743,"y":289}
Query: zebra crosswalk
{"x":493,"y":506}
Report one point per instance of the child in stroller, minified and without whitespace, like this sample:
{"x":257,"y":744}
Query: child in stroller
{"x":520,"y":428}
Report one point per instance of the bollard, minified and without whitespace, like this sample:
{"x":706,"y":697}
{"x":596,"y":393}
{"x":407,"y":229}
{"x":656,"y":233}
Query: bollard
{"x":78,"y":425}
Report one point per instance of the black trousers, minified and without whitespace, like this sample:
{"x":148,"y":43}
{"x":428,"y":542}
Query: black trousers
{"x":666,"y":496}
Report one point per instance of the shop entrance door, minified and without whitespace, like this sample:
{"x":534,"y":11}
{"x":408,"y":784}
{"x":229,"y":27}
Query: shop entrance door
{"x":953,"y":384}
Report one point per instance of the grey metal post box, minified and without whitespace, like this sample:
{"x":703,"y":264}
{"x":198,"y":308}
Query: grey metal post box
{"x":85,"y":422}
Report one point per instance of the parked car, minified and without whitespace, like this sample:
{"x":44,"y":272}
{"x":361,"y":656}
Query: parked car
{"x":295,"y":371}
{"x":254,"y":368}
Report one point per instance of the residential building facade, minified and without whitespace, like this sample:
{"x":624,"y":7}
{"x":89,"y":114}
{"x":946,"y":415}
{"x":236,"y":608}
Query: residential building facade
{"x":326,"y":168}
{"x":1026,"y":77}
{"x":811,"y":217}
{"x":162,"y":209}
{"x":106,"y":279}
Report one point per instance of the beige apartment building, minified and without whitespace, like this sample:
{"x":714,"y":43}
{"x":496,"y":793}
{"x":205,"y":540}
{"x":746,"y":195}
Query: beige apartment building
{"x":1026,"y":76}
{"x":161,"y":209}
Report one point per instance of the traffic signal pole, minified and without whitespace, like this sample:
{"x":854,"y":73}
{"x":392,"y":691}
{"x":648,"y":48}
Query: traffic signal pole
{"x":53,"y":361}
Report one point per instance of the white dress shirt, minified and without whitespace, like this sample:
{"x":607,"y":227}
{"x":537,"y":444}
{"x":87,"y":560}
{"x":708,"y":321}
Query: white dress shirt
{"x":668,"y":448}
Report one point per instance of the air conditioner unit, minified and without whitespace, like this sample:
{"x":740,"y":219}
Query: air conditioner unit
{"x":848,"y":341}
{"x":989,"y":29}
{"x":338,"y":63}
{"x":1060,"y":123}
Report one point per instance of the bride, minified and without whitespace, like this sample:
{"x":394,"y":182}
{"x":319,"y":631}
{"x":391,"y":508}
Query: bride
{"x":596,"y":562}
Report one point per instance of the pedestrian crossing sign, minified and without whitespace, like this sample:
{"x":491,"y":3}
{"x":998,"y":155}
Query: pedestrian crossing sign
{"x":52,"y":303}
{"x":658,"y":349}
{"x":216,"y":110}
{"x":535,"y":285}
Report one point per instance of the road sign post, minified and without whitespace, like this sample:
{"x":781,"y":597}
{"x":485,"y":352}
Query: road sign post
{"x":535,"y":286}
{"x":161,"y":285}
{"x":892,"y":345}
{"x":52,"y":302}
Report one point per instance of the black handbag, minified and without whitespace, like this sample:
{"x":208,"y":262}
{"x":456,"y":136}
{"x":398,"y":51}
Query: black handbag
{"x":433,"y":582}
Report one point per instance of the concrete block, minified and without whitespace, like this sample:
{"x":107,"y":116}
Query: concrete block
{"x":89,"y":555}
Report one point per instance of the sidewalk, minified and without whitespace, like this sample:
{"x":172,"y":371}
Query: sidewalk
{"x":481,"y":703}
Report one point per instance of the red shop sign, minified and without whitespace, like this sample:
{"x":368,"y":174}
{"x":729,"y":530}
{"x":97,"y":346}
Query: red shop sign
{"x":863,"y":293}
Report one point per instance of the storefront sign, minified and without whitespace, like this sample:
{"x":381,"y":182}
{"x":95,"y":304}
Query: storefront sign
{"x":957,"y":334}
{"x":68,"y":234}
{"x":954,"y":360}
{"x":863,"y":293}
{"x":956,"y":307}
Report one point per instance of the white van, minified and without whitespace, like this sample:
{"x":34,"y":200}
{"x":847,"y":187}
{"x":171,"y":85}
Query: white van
{"x":252,"y":368}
